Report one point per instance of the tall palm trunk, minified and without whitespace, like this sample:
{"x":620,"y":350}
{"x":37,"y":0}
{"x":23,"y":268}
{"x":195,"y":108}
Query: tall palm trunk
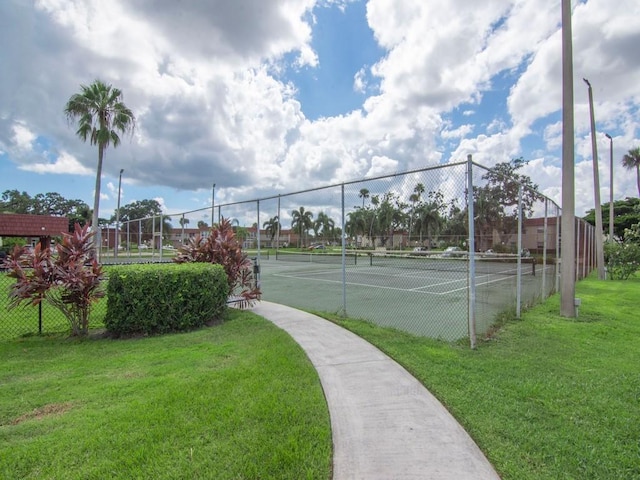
{"x":96,"y":200}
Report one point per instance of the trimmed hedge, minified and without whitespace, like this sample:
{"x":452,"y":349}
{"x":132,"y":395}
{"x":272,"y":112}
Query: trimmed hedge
{"x":160,"y":298}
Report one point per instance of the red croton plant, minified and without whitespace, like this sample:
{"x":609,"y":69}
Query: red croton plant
{"x":69,"y":280}
{"x":223,"y":248}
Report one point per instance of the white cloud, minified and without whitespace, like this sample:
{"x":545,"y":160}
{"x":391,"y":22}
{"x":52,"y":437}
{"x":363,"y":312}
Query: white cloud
{"x":360,"y":81}
{"x":205,"y":80}
{"x":63,"y":164}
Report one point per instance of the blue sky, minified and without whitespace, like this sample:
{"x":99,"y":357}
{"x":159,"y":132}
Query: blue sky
{"x":263,"y":98}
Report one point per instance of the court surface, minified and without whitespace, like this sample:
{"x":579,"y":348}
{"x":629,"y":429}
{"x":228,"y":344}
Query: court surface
{"x":432,"y":303}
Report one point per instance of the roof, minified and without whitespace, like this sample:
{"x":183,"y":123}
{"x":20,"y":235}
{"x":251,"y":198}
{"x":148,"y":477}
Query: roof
{"x":20,"y":225}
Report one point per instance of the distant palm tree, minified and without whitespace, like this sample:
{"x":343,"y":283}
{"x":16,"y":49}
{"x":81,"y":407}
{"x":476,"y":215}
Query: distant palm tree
{"x":272,"y":227}
{"x":631,"y":161}
{"x":302,"y":220}
{"x":364,"y":194}
{"x":324,"y":224}
{"x":101,"y":115}
{"x":156,"y":223}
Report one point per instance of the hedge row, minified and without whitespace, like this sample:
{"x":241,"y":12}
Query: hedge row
{"x":155,"y":299}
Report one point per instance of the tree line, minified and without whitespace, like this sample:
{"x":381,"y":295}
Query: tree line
{"x":425,"y":216}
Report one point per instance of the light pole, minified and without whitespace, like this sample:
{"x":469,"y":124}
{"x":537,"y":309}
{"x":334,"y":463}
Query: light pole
{"x":117,"y":243}
{"x":610,"y":186}
{"x":213,"y":202}
{"x":568,"y":246}
{"x":596,"y":187}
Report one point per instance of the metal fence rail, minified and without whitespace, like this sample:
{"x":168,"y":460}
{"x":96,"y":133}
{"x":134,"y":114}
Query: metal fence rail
{"x":437,"y":252}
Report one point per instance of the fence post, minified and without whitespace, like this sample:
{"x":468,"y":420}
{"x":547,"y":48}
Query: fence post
{"x":344,"y":252}
{"x":258,"y":231}
{"x":577,"y":247}
{"x":278,"y":228}
{"x":519,"y":258}
{"x":471,"y":280}
{"x":544,"y":251}
{"x":558,"y":257}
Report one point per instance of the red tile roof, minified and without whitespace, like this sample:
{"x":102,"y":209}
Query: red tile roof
{"x":19,"y":225}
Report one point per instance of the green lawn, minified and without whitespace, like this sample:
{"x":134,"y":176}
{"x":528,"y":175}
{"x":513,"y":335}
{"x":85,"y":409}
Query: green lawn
{"x":239,"y":400}
{"x":548,"y":397}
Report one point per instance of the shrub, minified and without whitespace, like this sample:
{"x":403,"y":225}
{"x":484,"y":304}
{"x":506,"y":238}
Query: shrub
{"x":223,"y":248}
{"x":70,"y":281}
{"x":623,"y":259}
{"x":154,"y":299}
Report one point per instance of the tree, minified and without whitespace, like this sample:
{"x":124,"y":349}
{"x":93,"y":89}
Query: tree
{"x":627,"y":214}
{"x":414,"y":199}
{"x":272,"y":227}
{"x":202,"y":225}
{"x":363,"y":194}
{"x":50,"y":203}
{"x":324,"y":224}
{"x":357,"y":223}
{"x":101,"y":115}
{"x":630,"y":161}
{"x":302,"y":220}
{"x":14,"y":201}
{"x":499,"y":197}
{"x":183,"y":222}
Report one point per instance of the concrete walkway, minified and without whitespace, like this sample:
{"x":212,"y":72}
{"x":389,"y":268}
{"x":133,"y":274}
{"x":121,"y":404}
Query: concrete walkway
{"x":385,"y":424}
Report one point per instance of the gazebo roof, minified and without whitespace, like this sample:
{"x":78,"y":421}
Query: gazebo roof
{"x":20,"y":225}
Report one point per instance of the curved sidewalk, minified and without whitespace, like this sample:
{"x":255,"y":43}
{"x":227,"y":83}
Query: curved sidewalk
{"x":385,"y":424}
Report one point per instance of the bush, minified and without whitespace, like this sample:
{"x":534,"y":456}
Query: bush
{"x":70,"y":280}
{"x":222,"y":247}
{"x":623,"y":259}
{"x":154,"y":299}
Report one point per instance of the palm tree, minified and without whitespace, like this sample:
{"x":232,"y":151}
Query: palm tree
{"x":101,"y":115}
{"x":153,"y":225}
{"x":630,"y":161}
{"x":302,"y":221}
{"x":272,"y":227}
{"x":324,"y":224}
{"x":364,"y":194}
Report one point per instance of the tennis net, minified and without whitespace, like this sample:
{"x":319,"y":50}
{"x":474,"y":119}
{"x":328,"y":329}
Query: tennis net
{"x":313,"y":257}
{"x":498,"y":265}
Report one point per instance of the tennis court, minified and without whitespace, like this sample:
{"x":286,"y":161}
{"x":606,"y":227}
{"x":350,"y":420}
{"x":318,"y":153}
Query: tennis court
{"x":426,"y":296}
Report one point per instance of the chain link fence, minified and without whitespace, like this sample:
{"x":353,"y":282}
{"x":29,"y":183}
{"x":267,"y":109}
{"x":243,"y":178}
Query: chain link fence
{"x":438,"y":252}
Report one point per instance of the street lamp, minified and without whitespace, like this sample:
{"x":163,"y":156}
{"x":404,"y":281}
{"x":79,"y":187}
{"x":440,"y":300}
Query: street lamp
{"x":610,"y":186}
{"x":117,"y":243}
{"x":596,"y":187}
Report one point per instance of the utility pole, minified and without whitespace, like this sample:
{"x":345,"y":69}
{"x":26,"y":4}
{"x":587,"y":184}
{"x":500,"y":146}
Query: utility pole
{"x":596,"y":187}
{"x":568,"y":247}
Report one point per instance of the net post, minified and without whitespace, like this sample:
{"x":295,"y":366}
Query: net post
{"x":471,"y":276}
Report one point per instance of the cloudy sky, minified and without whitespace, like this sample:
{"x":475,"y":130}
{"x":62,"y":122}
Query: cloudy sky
{"x":265,"y":97}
